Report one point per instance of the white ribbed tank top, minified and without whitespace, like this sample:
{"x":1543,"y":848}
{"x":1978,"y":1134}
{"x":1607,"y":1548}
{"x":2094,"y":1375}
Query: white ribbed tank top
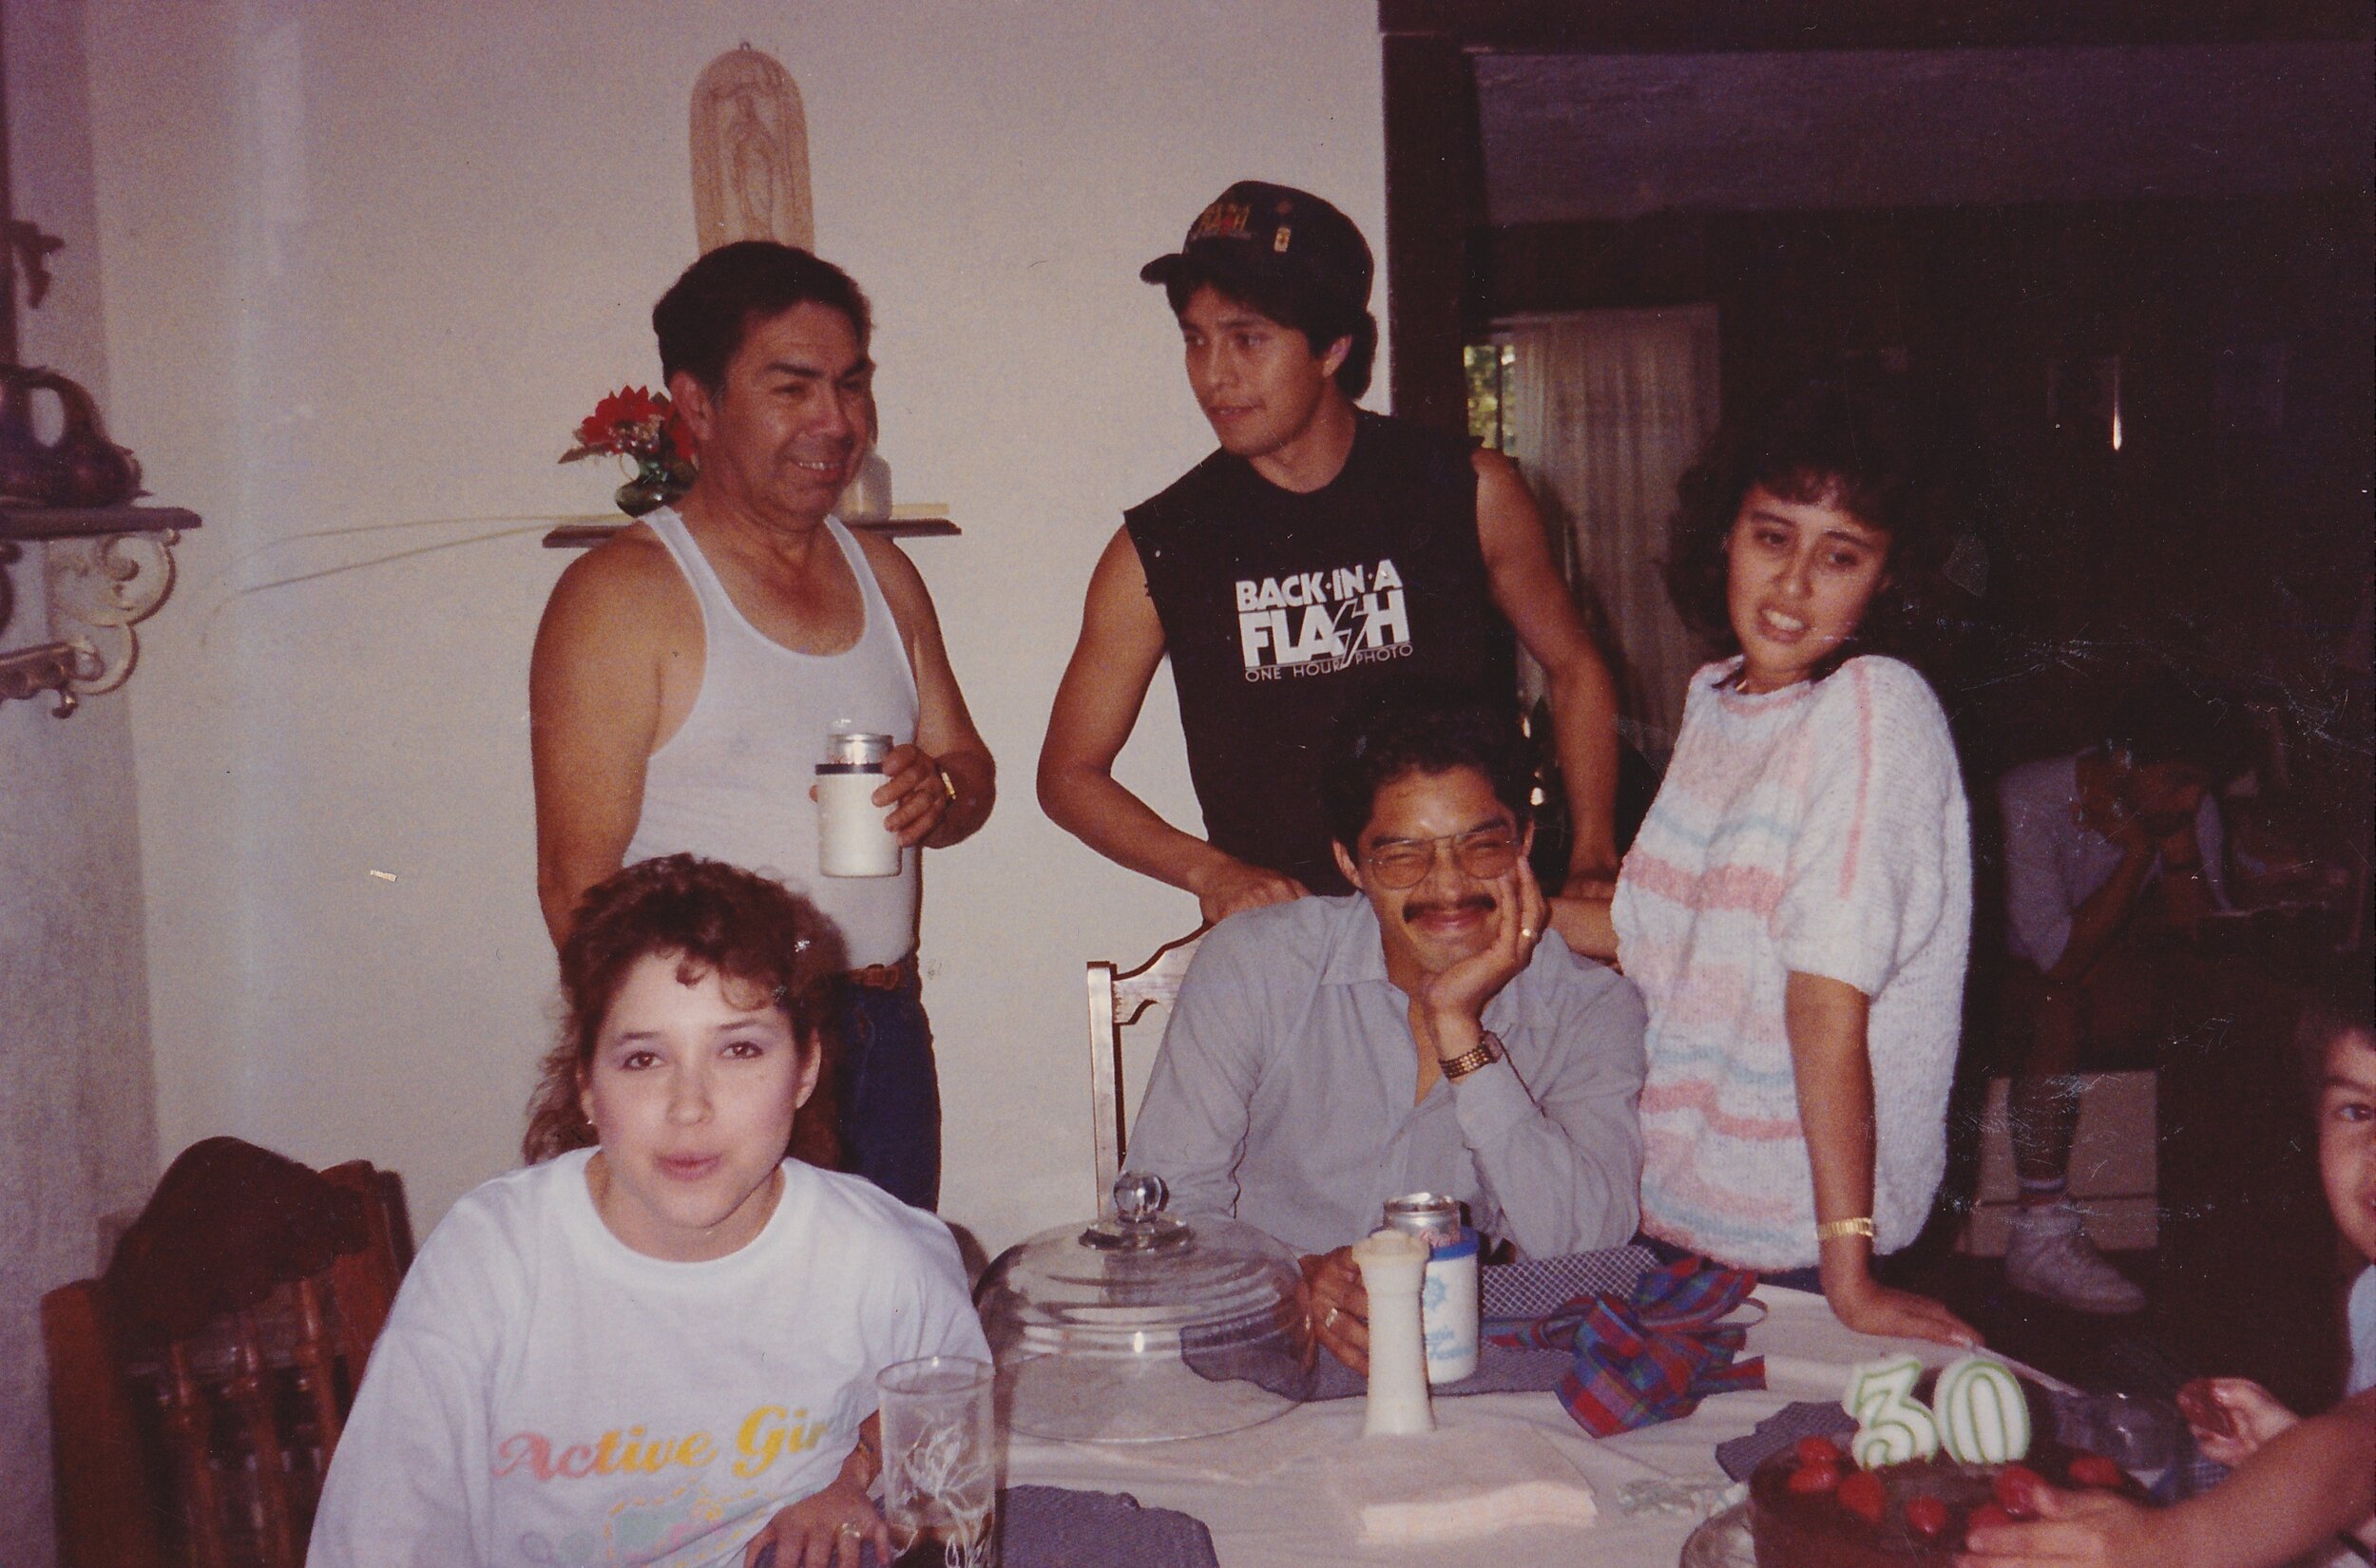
{"x":733,"y":783}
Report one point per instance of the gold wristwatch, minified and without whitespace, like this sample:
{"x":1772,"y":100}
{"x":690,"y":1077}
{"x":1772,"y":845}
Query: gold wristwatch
{"x":1488,"y":1049}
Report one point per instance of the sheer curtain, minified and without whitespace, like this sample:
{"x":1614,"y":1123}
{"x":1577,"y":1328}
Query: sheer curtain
{"x":1608,"y":409}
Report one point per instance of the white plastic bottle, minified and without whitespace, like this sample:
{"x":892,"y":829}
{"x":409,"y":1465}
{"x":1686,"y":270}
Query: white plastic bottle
{"x":1392,"y":1266}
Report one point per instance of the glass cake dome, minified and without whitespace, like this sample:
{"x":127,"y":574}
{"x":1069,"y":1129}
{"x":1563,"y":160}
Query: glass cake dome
{"x":1145,"y":1327}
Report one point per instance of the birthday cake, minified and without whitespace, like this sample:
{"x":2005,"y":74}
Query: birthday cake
{"x":1813,"y":1513}
{"x":1914,"y":1480}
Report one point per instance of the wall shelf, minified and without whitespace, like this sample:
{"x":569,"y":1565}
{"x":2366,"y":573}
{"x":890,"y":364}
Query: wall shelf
{"x":576,"y":533}
{"x":45,"y":523}
{"x":105,"y":569}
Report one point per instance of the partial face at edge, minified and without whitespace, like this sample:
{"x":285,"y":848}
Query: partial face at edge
{"x":2346,"y":1136}
{"x":1799,"y":576}
{"x":692,"y":1091}
{"x":1260,"y":382}
{"x":1448,"y":914}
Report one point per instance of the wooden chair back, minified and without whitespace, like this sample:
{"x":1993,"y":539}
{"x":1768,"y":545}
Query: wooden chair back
{"x":210,"y":1451}
{"x":1117,"y":998}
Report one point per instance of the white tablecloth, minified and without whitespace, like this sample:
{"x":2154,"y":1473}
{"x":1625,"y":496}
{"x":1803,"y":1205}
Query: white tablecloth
{"x":1267,"y":1495}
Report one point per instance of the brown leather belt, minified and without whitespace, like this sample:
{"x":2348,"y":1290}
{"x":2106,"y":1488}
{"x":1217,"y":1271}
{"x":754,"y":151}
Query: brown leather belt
{"x":883,"y":977}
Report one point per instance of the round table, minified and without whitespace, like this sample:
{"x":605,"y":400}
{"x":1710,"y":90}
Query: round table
{"x":1270,"y":1495}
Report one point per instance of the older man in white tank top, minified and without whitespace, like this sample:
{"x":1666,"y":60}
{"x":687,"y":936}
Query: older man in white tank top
{"x":687,"y":672}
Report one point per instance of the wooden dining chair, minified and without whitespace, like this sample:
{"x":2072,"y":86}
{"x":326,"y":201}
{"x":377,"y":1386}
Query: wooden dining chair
{"x":208,"y":1449}
{"x":1118,"y":997}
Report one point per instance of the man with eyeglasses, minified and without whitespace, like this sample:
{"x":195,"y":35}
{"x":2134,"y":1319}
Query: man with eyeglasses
{"x":1426,"y":1032}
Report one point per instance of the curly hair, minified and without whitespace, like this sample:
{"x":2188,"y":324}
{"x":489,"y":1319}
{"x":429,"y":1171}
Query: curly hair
{"x":1390,"y":734}
{"x":1848,"y":439}
{"x":713,"y":918}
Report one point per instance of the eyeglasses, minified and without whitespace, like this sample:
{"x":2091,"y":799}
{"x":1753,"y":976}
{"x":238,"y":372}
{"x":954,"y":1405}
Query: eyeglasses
{"x":1483,"y":854}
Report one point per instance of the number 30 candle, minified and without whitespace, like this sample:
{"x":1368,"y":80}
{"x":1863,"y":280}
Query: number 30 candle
{"x":1890,"y":1428}
{"x":1977,"y":1411}
{"x":1984,"y":1418}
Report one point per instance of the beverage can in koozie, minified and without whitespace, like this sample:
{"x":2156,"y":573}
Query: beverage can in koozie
{"x":1431,"y":1217}
{"x":1448,"y":1307}
{"x":1448,"y":1297}
{"x":851,"y":837}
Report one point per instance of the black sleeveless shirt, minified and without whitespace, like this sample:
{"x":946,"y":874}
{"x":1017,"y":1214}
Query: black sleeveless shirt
{"x":1281,"y":609}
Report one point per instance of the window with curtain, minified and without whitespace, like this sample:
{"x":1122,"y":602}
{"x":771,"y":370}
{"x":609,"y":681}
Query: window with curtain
{"x":1604,"y":411}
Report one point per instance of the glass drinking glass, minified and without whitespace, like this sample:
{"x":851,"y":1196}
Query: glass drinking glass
{"x":940,"y":1462}
{"x":2139,"y":1435}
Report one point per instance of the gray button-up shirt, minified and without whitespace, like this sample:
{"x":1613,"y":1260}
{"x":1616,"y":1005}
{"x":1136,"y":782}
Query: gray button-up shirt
{"x":1284,"y":1091}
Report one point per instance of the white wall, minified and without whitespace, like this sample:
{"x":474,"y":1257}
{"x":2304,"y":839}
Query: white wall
{"x":366,"y":265}
{"x":76,"y":1132}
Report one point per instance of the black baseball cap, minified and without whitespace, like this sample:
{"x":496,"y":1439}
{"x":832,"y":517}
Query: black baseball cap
{"x":1276,"y":231}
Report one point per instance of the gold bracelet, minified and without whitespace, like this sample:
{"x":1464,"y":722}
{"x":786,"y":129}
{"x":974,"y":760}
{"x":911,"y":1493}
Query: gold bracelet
{"x":1832,"y":1230}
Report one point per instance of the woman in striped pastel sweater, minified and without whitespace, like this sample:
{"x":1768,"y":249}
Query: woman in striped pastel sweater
{"x":1797,"y":907}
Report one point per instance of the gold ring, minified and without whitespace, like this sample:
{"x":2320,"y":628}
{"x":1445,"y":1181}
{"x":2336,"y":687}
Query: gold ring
{"x":1330,"y":1321}
{"x":850,"y":1528}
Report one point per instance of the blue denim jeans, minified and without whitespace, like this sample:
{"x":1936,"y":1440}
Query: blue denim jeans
{"x":891,"y":1093}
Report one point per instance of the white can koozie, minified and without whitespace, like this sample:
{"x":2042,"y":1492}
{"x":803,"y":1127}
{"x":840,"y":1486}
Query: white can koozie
{"x":1448,"y":1309}
{"x":852,"y":840}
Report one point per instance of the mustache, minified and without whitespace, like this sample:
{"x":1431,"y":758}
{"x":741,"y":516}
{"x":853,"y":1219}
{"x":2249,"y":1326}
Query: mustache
{"x":1413,"y":913}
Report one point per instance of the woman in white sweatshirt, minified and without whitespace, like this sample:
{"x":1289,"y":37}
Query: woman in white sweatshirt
{"x":657,"y":1342}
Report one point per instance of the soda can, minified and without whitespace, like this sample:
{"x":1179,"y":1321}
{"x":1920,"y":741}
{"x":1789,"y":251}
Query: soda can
{"x":1430,"y":1216}
{"x":853,"y":750}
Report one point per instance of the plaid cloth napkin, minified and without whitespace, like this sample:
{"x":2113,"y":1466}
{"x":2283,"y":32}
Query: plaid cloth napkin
{"x":1654,"y":1356}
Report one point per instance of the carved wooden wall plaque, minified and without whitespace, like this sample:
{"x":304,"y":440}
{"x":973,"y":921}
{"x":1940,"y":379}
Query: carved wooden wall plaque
{"x":750,"y":154}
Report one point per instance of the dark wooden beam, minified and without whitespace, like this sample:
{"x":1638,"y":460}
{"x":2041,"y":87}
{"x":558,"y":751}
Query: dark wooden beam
{"x":8,"y":227}
{"x":1434,"y":196}
{"x":1704,"y":27}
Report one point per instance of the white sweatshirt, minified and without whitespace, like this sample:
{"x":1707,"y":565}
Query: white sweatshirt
{"x":543,"y":1395}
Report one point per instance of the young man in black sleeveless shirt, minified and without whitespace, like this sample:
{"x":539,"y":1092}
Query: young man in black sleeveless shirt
{"x":1323,"y":553}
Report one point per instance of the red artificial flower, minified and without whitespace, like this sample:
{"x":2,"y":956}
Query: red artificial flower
{"x":638,"y":424}
{"x":626,"y":409}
